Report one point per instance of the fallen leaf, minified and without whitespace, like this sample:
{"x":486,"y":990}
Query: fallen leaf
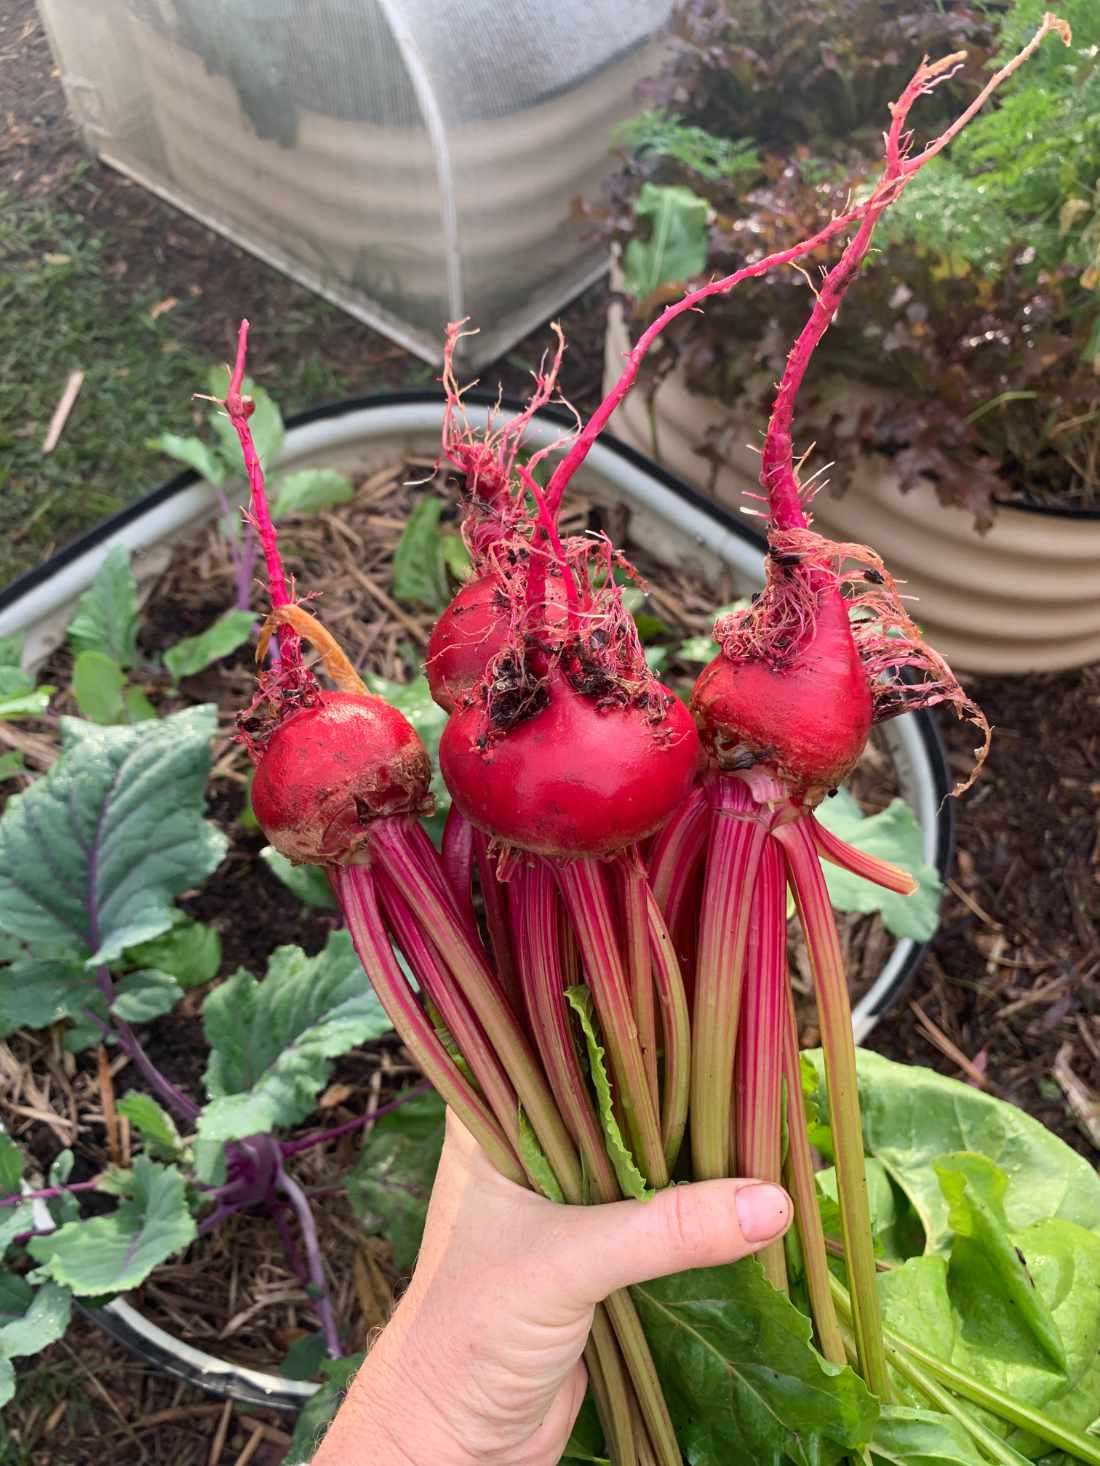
{"x":336,"y":1094}
{"x":167,"y":304}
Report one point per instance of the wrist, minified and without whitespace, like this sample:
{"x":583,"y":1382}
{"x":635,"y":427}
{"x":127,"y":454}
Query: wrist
{"x":405,"y":1420}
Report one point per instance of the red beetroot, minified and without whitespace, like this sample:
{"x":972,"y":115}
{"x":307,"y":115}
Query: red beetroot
{"x":332,"y":767}
{"x":576,"y":779}
{"x":806,"y":721}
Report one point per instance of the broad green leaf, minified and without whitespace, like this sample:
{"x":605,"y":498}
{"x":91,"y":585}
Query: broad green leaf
{"x":63,"y":1208}
{"x":19,"y":698}
{"x":194,"y":452}
{"x":98,"y":681}
{"x":975,"y":1190}
{"x":154,"y":1124}
{"x":11,"y":763}
{"x":907,"y":1437}
{"x":45,"y":1320}
{"x":742,"y":1380}
{"x":535,"y":1162}
{"x":631,"y":1180}
{"x":894,"y":835}
{"x":11,"y":1165}
{"x":266,"y":424}
{"x":35,"y":993}
{"x":189,"y":951}
{"x":271,"y":1042}
{"x":210,"y":1163}
{"x":303,"y":1359}
{"x":675,"y":247}
{"x":308,"y":882}
{"x":310,"y":490}
{"x":586,"y":1442}
{"x":110,"y":1254}
{"x":107,"y":620}
{"x":138,"y":707}
{"x":194,"y":653}
{"x":14,"y":1221}
{"x":29,"y":703}
{"x":391,"y":1181}
{"x":94,"y":854}
{"x":912,"y":1117}
{"x":419,"y":569}
{"x":142,"y":996}
{"x":15,"y":1297}
{"x":896,"y":1230}
{"x":316,"y":1414}
{"x":456,"y":556}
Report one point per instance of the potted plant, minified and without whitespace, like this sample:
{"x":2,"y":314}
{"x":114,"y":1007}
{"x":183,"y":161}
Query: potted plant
{"x":956,"y":398}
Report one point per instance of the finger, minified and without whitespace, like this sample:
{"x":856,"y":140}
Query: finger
{"x":597,"y":1249}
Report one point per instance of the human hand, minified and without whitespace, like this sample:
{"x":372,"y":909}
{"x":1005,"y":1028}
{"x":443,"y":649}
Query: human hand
{"x":481,"y":1362}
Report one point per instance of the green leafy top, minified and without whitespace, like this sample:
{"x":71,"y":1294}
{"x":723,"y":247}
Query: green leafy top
{"x":93,"y":855}
{"x":107,"y":620}
{"x":270,"y":1042}
{"x":19,"y":697}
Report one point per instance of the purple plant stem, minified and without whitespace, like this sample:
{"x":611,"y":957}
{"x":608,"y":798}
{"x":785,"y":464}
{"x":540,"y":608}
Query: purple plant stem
{"x":584,"y":889}
{"x":130,"y":1045}
{"x":323,"y":1137}
{"x":758,"y":1088}
{"x":737,"y":836}
{"x":49,"y":1193}
{"x":242,"y":553}
{"x":290,"y":1247}
{"x":319,"y":1293}
{"x":215,"y":1218}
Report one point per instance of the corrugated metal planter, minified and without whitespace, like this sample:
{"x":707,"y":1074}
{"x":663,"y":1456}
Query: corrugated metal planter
{"x":1025,"y":597}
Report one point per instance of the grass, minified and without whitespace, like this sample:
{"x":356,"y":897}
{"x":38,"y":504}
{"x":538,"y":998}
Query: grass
{"x":63,"y":307}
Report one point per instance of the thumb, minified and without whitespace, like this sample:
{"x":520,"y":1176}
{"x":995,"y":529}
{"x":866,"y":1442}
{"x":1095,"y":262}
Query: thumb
{"x":597,"y":1249}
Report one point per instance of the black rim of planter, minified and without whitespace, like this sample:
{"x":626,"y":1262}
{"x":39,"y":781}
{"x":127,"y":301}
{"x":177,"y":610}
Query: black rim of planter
{"x":244,"y":1385}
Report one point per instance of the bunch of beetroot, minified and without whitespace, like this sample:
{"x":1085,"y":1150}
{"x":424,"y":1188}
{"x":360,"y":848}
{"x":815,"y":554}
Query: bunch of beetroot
{"x":613,"y":860}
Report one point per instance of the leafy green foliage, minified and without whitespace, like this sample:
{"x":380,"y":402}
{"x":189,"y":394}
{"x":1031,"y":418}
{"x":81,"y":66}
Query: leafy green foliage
{"x":674,"y":246}
{"x":742,"y":1379}
{"x":660,"y":134}
{"x":97,"y":684}
{"x":11,"y":764}
{"x":153,"y":1123}
{"x":391,"y":1181}
{"x":35,"y":992}
{"x":193,"y":653}
{"x":19,"y":697}
{"x":310,"y":490}
{"x":586,"y":1443}
{"x":308,"y":882}
{"x":270,"y":1042}
{"x":907,"y":1437}
{"x":304,"y":1358}
{"x":630,"y":1179}
{"x":110,"y":1254}
{"x":194,"y":453}
{"x":317,"y":1412}
{"x":894,"y":835}
{"x":427,"y":555}
{"x":107,"y":618}
{"x":142,"y":996}
{"x":189,"y":951}
{"x":30,"y":1320}
{"x":535,"y":1161}
{"x":93,"y":855}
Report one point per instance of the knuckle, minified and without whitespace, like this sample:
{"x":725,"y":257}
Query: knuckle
{"x":684,"y":1221}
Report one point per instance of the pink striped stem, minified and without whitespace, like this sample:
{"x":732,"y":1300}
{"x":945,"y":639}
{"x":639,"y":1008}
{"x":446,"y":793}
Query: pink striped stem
{"x":494,"y":898}
{"x":838,"y":1046}
{"x":676,"y":852}
{"x":799,"y":1177}
{"x":534,"y":908}
{"x":633,"y":897}
{"x":584,"y":888}
{"x":758,"y":1096}
{"x":435,"y":980}
{"x":675,"y":1033}
{"x":413,"y":867}
{"x":458,"y":861}
{"x":839,"y":852}
{"x":355,"y":891}
{"x":737,"y":837}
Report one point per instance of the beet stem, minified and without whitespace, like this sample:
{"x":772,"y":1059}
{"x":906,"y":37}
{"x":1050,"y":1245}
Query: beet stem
{"x":838,"y":852}
{"x":355,"y":890}
{"x":495,"y":901}
{"x":611,"y":1390}
{"x":414,"y":871}
{"x":838,"y":1047}
{"x":675,"y":1031}
{"x":584,"y":889}
{"x":733,"y":855}
{"x":799,"y":1178}
{"x":633,"y":890}
{"x":757,"y":1145}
